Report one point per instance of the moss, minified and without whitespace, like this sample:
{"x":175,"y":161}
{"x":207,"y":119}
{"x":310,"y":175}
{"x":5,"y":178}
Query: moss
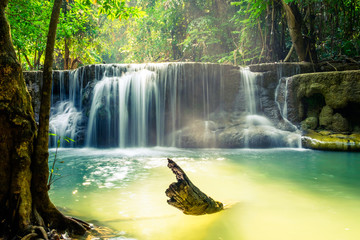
{"x":325,"y":117}
{"x":325,"y":140}
{"x":309,"y":123}
{"x":338,"y":88}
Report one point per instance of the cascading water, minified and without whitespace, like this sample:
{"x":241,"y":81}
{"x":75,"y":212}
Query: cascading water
{"x":64,"y":121}
{"x":65,"y":115}
{"x":135,"y":105}
{"x":259,"y":130}
{"x":282,"y":89}
{"x":283,"y":85}
{"x":120,"y":110}
{"x":168,"y":104}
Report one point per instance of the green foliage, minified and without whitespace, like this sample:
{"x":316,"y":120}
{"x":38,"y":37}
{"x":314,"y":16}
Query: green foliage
{"x":29,"y":24}
{"x":178,"y":30}
{"x":238,"y":32}
{"x":79,"y":25}
{"x":202,"y":38}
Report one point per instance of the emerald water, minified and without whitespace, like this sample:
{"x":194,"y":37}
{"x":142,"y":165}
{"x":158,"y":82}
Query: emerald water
{"x":272,"y":194}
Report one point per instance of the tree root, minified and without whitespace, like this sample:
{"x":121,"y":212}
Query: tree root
{"x":185,"y":196}
{"x":30,"y":236}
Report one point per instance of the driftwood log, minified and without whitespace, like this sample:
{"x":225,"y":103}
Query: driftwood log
{"x":185,"y":196}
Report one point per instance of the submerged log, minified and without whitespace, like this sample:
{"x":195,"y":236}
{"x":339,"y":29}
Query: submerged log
{"x":185,"y":196}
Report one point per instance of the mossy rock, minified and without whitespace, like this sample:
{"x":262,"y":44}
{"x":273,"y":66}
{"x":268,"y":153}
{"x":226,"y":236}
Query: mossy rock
{"x":338,"y":88}
{"x":325,"y":140}
{"x":339,"y":123}
{"x":309,"y":123}
{"x":325,"y":117}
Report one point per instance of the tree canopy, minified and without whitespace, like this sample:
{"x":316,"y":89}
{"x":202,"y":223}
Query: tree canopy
{"x":224,"y":31}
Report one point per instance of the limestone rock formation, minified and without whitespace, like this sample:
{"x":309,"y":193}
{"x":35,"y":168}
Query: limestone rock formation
{"x":325,"y":117}
{"x":326,"y":140}
{"x":333,"y":97}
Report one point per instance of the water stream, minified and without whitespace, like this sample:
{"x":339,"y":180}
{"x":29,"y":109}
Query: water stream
{"x":121,"y":112}
{"x":274,"y":194}
{"x":137,"y":105}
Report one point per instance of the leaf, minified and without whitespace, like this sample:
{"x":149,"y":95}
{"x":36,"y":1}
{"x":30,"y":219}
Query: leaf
{"x":69,"y":139}
{"x":52,"y":134}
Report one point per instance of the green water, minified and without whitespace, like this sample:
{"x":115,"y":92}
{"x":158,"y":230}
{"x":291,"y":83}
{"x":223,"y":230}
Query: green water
{"x":280,"y":194}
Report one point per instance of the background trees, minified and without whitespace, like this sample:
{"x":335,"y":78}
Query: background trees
{"x":237,"y":31}
{"x":243,"y":32}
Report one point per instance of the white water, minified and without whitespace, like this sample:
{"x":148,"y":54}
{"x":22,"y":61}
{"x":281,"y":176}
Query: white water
{"x":66,"y":113}
{"x":138,"y":105}
{"x":120,"y":108}
{"x":258,"y":125}
{"x":284,"y":109}
{"x":249,"y":79}
{"x":64,"y":121}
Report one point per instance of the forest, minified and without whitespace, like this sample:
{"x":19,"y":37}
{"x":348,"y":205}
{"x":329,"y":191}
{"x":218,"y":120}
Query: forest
{"x":256,"y":100}
{"x":218,"y":31}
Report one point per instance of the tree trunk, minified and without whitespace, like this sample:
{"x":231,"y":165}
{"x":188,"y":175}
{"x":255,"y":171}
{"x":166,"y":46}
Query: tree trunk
{"x":293,"y":18}
{"x":312,"y":33}
{"x":17,"y":132}
{"x":185,"y":196}
{"x":24,"y":199}
{"x":40,"y":168}
{"x":28,"y":61}
{"x":67,"y":54}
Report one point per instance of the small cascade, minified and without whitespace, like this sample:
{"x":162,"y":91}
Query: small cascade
{"x":248,"y":78}
{"x":281,"y":92}
{"x":282,"y":89}
{"x":65,"y":113}
{"x":64,"y":122}
{"x":259,"y":130}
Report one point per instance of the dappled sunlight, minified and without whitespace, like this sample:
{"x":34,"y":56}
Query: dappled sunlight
{"x":265,"y":195}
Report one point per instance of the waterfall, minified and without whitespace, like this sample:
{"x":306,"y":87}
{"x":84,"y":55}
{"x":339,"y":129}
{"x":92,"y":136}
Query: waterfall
{"x":133,"y":105}
{"x":259,"y":129}
{"x":249,"y":79}
{"x":165,"y":104}
{"x":120,"y":113}
{"x":281,"y":92}
{"x":65,"y":117}
{"x":64,"y":122}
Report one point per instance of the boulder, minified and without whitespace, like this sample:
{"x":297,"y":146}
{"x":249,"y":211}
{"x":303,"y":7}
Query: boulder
{"x":339,"y":123}
{"x":309,"y":123}
{"x":325,"y":117}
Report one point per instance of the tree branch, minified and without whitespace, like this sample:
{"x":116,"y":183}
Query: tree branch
{"x":185,"y":196}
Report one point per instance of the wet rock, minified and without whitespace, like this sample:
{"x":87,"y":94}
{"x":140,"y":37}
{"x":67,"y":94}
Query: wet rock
{"x":326,"y":140}
{"x":198,"y":134}
{"x":325,"y":117}
{"x":287,"y":68}
{"x":309,"y":123}
{"x":339,"y":123}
